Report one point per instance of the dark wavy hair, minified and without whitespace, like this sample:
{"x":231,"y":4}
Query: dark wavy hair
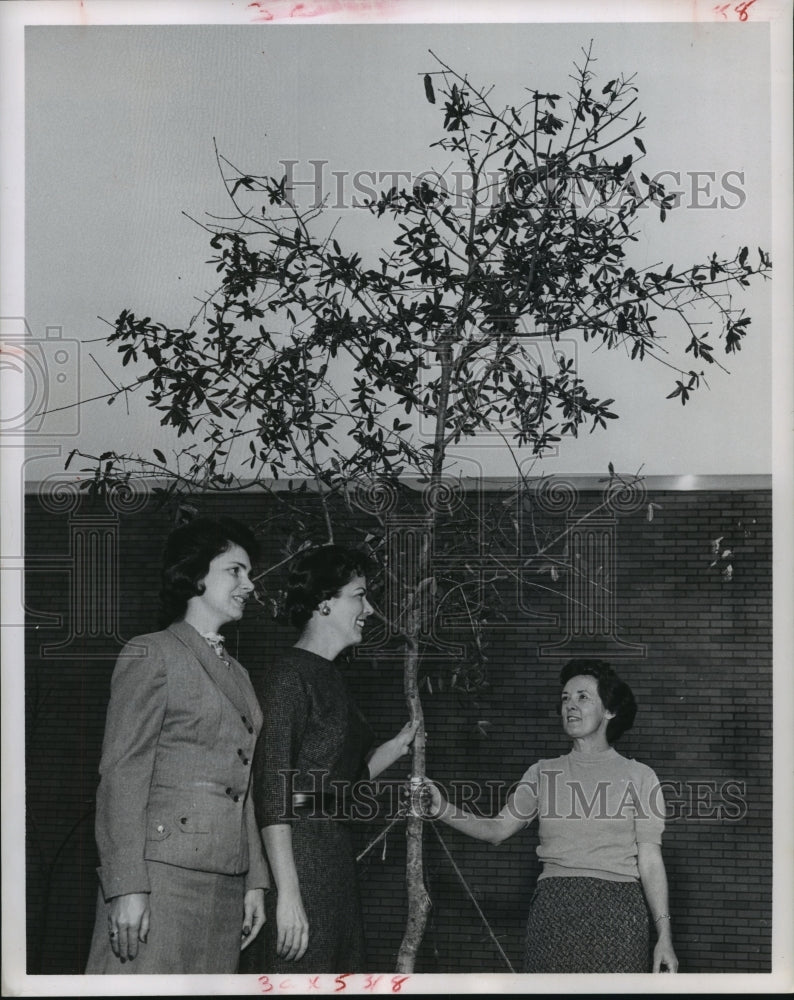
{"x":187,"y":555}
{"x":319,"y":574}
{"x":615,"y":694}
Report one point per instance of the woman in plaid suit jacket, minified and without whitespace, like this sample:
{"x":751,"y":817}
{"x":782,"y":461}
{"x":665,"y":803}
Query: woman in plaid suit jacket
{"x":182,"y":872}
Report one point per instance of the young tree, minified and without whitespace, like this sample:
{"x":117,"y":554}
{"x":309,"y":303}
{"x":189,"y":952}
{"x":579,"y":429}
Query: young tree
{"x":308,"y":362}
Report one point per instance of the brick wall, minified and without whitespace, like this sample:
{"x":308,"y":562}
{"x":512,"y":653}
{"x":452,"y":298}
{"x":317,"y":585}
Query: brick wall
{"x":694,"y":645}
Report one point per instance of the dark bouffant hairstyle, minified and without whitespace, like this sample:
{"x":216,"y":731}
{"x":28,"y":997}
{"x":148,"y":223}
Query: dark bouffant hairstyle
{"x":319,"y":574}
{"x":189,"y":550}
{"x":613,"y":692}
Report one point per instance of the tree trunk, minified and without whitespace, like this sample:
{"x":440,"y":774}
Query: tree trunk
{"x":419,"y":902}
{"x":418,"y":899}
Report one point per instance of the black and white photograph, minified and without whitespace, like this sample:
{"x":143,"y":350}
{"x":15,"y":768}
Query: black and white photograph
{"x":397,"y":476}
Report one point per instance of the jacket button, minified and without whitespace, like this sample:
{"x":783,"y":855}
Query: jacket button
{"x":246,"y":760}
{"x":183,"y":820}
{"x":236,"y":798}
{"x":160,"y":828}
{"x":228,"y":791}
{"x":250,"y":729}
{"x":239,"y":753}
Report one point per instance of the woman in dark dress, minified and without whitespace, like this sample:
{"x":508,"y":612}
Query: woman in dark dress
{"x":315,"y":745}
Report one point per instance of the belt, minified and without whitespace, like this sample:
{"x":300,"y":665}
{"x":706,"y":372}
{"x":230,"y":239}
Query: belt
{"x":321,"y":805}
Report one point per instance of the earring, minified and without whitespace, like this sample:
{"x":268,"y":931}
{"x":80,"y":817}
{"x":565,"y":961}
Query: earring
{"x":325,"y":610}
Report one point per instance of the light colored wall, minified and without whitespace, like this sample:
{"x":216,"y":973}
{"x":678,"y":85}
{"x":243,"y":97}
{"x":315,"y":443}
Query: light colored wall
{"x":120,"y":127}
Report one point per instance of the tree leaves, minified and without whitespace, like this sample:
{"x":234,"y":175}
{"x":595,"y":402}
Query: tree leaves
{"x":734,"y":333}
{"x":683,"y":390}
{"x":460,"y":322}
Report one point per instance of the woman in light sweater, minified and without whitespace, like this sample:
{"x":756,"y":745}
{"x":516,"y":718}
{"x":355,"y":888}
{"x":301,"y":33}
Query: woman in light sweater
{"x":600,"y":823}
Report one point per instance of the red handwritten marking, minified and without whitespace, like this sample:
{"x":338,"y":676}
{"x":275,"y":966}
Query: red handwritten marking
{"x":740,"y":9}
{"x":264,"y":14}
{"x":287,"y":984}
{"x":12,"y":350}
{"x":269,"y":11}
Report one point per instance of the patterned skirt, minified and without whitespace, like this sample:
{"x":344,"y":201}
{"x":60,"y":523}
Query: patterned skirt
{"x":587,"y":925}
